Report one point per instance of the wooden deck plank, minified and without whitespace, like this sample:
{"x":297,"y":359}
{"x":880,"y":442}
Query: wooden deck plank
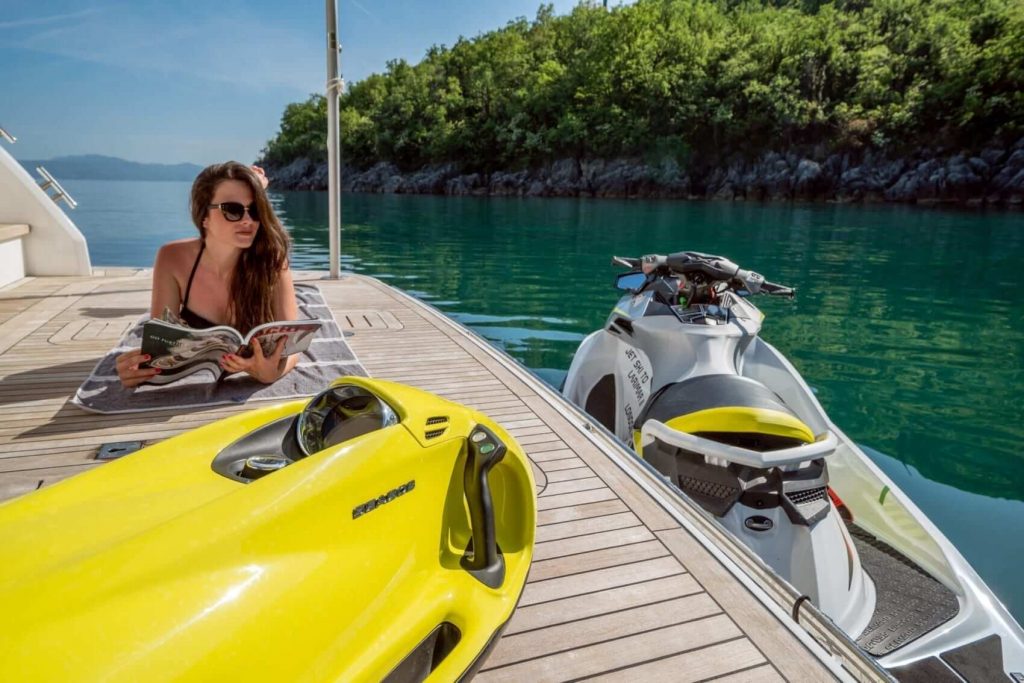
{"x":534,"y":450}
{"x":690,"y":667}
{"x":605,"y":602}
{"x":758,"y":674}
{"x":596,"y":659}
{"x":792,"y":659}
{"x":599,"y":580}
{"x":583,"y":544}
{"x":563,"y":637}
{"x":570,"y":474}
{"x":568,"y":514}
{"x":586,"y":526}
{"x":573,"y":485}
{"x":571,"y":499}
{"x":17,"y":483}
{"x":560,"y":464}
{"x":598,"y":559}
{"x":559,"y":453}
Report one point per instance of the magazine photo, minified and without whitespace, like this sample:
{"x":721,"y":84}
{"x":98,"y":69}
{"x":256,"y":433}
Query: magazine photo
{"x":179,"y":351}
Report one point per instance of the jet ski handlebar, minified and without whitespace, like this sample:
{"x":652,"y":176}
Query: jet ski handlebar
{"x":626,"y":261}
{"x":714,"y":268}
{"x":825,"y":445}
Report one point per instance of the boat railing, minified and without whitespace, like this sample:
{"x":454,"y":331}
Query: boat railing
{"x":50,"y":182}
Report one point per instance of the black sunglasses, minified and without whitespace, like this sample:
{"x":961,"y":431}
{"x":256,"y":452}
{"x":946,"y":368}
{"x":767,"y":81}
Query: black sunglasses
{"x":233,"y":211}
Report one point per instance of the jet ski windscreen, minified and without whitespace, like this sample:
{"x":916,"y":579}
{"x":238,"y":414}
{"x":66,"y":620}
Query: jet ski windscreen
{"x":339,"y":414}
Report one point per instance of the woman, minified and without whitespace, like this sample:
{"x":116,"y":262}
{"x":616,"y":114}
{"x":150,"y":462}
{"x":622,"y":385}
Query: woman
{"x":235,"y":273}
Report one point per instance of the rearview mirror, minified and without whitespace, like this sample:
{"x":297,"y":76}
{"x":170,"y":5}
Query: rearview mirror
{"x":630,"y":282}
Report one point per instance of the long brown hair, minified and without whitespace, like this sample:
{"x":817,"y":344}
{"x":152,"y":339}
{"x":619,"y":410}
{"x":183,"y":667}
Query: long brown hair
{"x":259,"y":267}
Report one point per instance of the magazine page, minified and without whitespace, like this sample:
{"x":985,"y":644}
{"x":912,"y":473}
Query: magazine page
{"x":299,"y":334}
{"x":179,"y":351}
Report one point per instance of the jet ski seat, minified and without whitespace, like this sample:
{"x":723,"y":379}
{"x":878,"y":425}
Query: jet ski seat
{"x":730,"y":409}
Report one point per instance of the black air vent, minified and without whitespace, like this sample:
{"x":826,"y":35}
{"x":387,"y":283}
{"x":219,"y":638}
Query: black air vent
{"x":440,"y":419}
{"x":434,"y":433}
{"x":807,"y":496}
{"x":707,"y":488}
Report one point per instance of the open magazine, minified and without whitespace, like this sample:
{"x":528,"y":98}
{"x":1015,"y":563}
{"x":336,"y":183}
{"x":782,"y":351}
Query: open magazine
{"x":180,"y":351}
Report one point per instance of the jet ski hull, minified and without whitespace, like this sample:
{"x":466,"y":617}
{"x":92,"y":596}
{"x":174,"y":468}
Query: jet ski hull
{"x":349,"y":564}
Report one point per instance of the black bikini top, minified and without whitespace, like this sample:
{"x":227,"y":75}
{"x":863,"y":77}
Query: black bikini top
{"x":192,"y":319}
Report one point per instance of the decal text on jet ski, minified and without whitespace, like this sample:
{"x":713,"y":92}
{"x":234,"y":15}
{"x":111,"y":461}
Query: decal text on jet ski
{"x":639,"y":378}
{"x":373,"y":504}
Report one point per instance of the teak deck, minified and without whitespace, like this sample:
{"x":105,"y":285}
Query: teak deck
{"x":619,"y":589}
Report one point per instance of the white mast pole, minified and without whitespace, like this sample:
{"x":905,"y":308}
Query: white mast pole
{"x":334,"y":86}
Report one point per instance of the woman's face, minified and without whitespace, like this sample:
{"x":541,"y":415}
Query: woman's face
{"x":219,"y":229}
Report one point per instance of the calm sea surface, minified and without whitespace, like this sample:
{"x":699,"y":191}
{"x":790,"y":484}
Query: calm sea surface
{"x":909,"y":323}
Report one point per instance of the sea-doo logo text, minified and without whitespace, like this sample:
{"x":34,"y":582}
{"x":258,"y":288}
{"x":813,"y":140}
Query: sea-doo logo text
{"x":371,"y":505}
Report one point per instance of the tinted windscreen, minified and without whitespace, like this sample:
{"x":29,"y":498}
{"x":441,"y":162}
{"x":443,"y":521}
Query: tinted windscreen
{"x":339,"y":414}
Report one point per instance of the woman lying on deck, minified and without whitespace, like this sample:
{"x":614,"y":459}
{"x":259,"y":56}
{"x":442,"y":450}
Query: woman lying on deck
{"x":235,"y":273}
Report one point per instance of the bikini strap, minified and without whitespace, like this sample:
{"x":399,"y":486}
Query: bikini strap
{"x":188,"y":287}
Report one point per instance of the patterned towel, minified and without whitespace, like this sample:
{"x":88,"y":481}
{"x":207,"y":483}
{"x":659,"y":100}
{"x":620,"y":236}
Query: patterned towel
{"x":328,"y":357}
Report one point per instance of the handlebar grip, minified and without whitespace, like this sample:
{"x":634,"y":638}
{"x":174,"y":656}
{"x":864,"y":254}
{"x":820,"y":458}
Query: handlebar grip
{"x":626,"y":261}
{"x":777,"y":290}
{"x":484,"y":451}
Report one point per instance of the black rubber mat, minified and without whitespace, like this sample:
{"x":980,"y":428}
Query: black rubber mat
{"x":930,"y":670}
{"x":981,"y":660}
{"x":909,"y":602}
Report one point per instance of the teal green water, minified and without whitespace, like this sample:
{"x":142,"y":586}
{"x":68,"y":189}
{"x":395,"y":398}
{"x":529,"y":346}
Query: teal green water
{"x":907,"y":322}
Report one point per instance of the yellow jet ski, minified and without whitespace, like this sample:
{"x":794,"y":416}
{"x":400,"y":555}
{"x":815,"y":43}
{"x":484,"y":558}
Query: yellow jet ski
{"x":375,"y":532}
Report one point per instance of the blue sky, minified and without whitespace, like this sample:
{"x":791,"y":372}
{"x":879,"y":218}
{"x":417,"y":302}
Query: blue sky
{"x":193,"y":81}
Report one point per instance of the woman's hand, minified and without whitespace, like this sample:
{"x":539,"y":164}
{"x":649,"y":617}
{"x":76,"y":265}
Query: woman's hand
{"x":129,"y":371}
{"x":266,"y":369}
{"x":261,"y":175}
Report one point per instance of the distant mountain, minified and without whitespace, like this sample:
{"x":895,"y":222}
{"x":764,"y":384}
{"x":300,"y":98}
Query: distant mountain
{"x":99,"y":167}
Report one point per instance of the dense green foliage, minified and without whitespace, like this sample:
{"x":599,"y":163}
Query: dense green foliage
{"x":683,"y":77}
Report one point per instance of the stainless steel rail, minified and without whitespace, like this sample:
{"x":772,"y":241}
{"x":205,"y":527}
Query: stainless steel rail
{"x":48,"y":182}
{"x":334,"y":88}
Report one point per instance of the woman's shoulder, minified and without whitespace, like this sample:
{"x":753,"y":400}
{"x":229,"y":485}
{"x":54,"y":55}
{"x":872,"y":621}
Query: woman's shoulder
{"x":179,"y":251}
{"x":175,"y":259}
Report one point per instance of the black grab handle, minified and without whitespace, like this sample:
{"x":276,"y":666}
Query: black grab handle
{"x":482,"y":559}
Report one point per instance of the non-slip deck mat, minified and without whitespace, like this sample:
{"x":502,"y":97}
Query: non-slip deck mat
{"x":328,"y":357}
{"x":909,"y":602}
{"x":930,"y":670}
{"x":981,"y":660}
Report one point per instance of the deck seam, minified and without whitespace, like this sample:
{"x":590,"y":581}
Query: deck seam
{"x":592,"y":533}
{"x":616,"y":566}
{"x":612,"y":640}
{"x":667,"y":656}
{"x":573,"y":521}
{"x":759,"y":665}
{"x":614,"y":611}
{"x":602,"y":590}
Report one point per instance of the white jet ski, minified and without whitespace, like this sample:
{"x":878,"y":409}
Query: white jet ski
{"x":679,"y":373}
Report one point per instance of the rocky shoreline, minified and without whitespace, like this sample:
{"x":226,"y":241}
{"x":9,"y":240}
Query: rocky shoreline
{"x":994,"y":176}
